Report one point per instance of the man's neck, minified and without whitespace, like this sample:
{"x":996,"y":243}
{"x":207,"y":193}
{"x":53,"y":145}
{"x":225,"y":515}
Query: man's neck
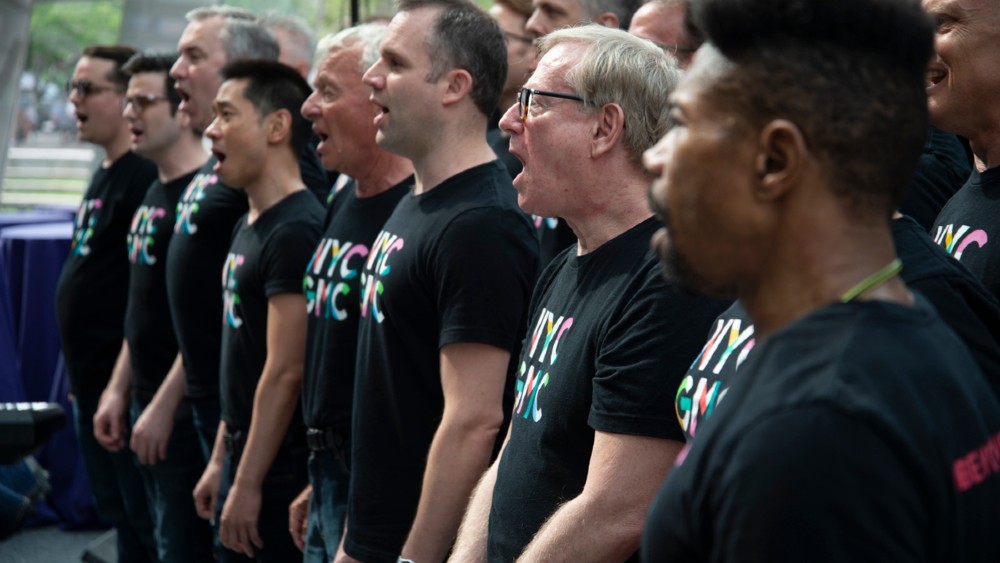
{"x":457,"y":149}
{"x":180,"y":158}
{"x":822,"y":270}
{"x":381,"y":173}
{"x":607,"y":205}
{"x":115,"y":150}
{"x":986,"y":148}
{"x":280,"y":178}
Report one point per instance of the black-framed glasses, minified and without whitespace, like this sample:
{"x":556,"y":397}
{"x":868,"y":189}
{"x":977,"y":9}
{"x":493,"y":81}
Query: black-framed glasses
{"x":507,"y":36}
{"x":85,"y":88}
{"x":524,"y":96}
{"x":142,"y":102}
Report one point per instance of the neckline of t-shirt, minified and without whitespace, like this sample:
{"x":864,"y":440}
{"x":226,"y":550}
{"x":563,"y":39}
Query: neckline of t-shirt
{"x":576,"y":261}
{"x":358,"y":202}
{"x":456,"y":180}
{"x":987,"y":177}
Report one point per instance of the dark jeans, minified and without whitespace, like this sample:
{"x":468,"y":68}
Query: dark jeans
{"x":205,"y":414}
{"x":328,"y":506}
{"x":117,"y":487}
{"x":284,"y":481}
{"x":181,"y":535}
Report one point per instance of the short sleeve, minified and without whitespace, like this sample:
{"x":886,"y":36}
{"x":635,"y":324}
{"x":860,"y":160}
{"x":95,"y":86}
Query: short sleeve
{"x":286,"y":256}
{"x":485,"y":270}
{"x":643,"y":355}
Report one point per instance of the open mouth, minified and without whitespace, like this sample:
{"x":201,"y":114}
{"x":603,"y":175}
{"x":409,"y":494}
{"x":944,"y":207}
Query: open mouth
{"x":935,"y":76}
{"x":219,"y":155}
{"x":137,"y":133}
{"x":185,"y":98}
{"x":320,"y":135}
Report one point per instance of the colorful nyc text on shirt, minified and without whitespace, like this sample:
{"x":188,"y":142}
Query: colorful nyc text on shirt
{"x":86,"y":218}
{"x":707,"y":382}
{"x":376,"y":269}
{"x":189,"y":203}
{"x":956,"y":241}
{"x":231,"y":299}
{"x":550,"y":223}
{"x":141,"y":234}
{"x":332,"y":267}
{"x":533,"y":373}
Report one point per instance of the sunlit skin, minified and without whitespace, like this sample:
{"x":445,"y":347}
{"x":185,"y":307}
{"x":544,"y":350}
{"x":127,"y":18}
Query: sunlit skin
{"x":201,"y":57}
{"x":962,"y":80}
{"x":153,"y":129}
{"x":99,"y":116}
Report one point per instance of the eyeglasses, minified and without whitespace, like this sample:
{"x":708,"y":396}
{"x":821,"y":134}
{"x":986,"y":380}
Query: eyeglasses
{"x":524,"y":96}
{"x":141,"y":103}
{"x":507,"y":36}
{"x":85,"y":88}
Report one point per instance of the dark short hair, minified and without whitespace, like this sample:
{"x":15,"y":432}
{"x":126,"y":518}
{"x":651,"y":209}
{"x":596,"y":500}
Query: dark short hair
{"x":272,"y":86}
{"x":849,"y":74}
{"x":463,"y":36}
{"x":118,"y":54}
{"x":156,"y":62}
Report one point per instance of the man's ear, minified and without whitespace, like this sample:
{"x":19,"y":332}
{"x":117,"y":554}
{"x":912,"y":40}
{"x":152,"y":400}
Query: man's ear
{"x":781,"y":156}
{"x":458,"y":85}
{"x":278,"y":126}
{"x":607,"y":19}
{"x":608,"y":131}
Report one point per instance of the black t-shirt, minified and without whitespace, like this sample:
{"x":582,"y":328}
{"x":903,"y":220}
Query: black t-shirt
{"x":452,"y":265}
{"x":266,"y":258}
{"x":150,"y":334}
{"x":607,"y":344}
{"x":500,"y":144}
{"x":968,"y":223}
{"x":854,"y":433}
{"x":206,"y":214}
{"x":313,"y":175}
{"x":554,"y":236}
{"x":944,"y":166}
{"x":92,"y":291}
{"x":333,"y":298}
{"x":960,"y":299}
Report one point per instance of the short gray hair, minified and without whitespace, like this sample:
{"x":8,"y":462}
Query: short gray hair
{"x":368,"y":35}
{"x":299,"y":32}
{"x":242,"y":35}
{"x":622,"y":69}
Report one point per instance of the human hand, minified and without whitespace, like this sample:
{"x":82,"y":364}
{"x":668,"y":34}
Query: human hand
{"x":109,"y":421}
{"x":151,"y":434}
{"x":206,"y":492}
{"x":298,"y":518}
{"x":238,"y":526}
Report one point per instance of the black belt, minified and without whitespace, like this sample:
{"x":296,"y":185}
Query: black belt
{"x":324,"y":439}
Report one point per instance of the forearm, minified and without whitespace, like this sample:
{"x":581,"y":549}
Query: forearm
{"x":219,"y":448}
{"x":171,"y":391}
{"x":457,"y":459}
{"x":274,"y":405}
{"x":121,"y":376}
{"x":588,"y":530}
{"x":470,"y":547}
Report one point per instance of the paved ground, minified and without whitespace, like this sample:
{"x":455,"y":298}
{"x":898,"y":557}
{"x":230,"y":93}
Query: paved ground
{"x":46,"y":545}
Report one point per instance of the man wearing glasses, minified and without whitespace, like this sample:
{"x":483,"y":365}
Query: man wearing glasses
{"x":91,"y":328}
{"x":592,"y":435}
{"x":147,"y":386}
